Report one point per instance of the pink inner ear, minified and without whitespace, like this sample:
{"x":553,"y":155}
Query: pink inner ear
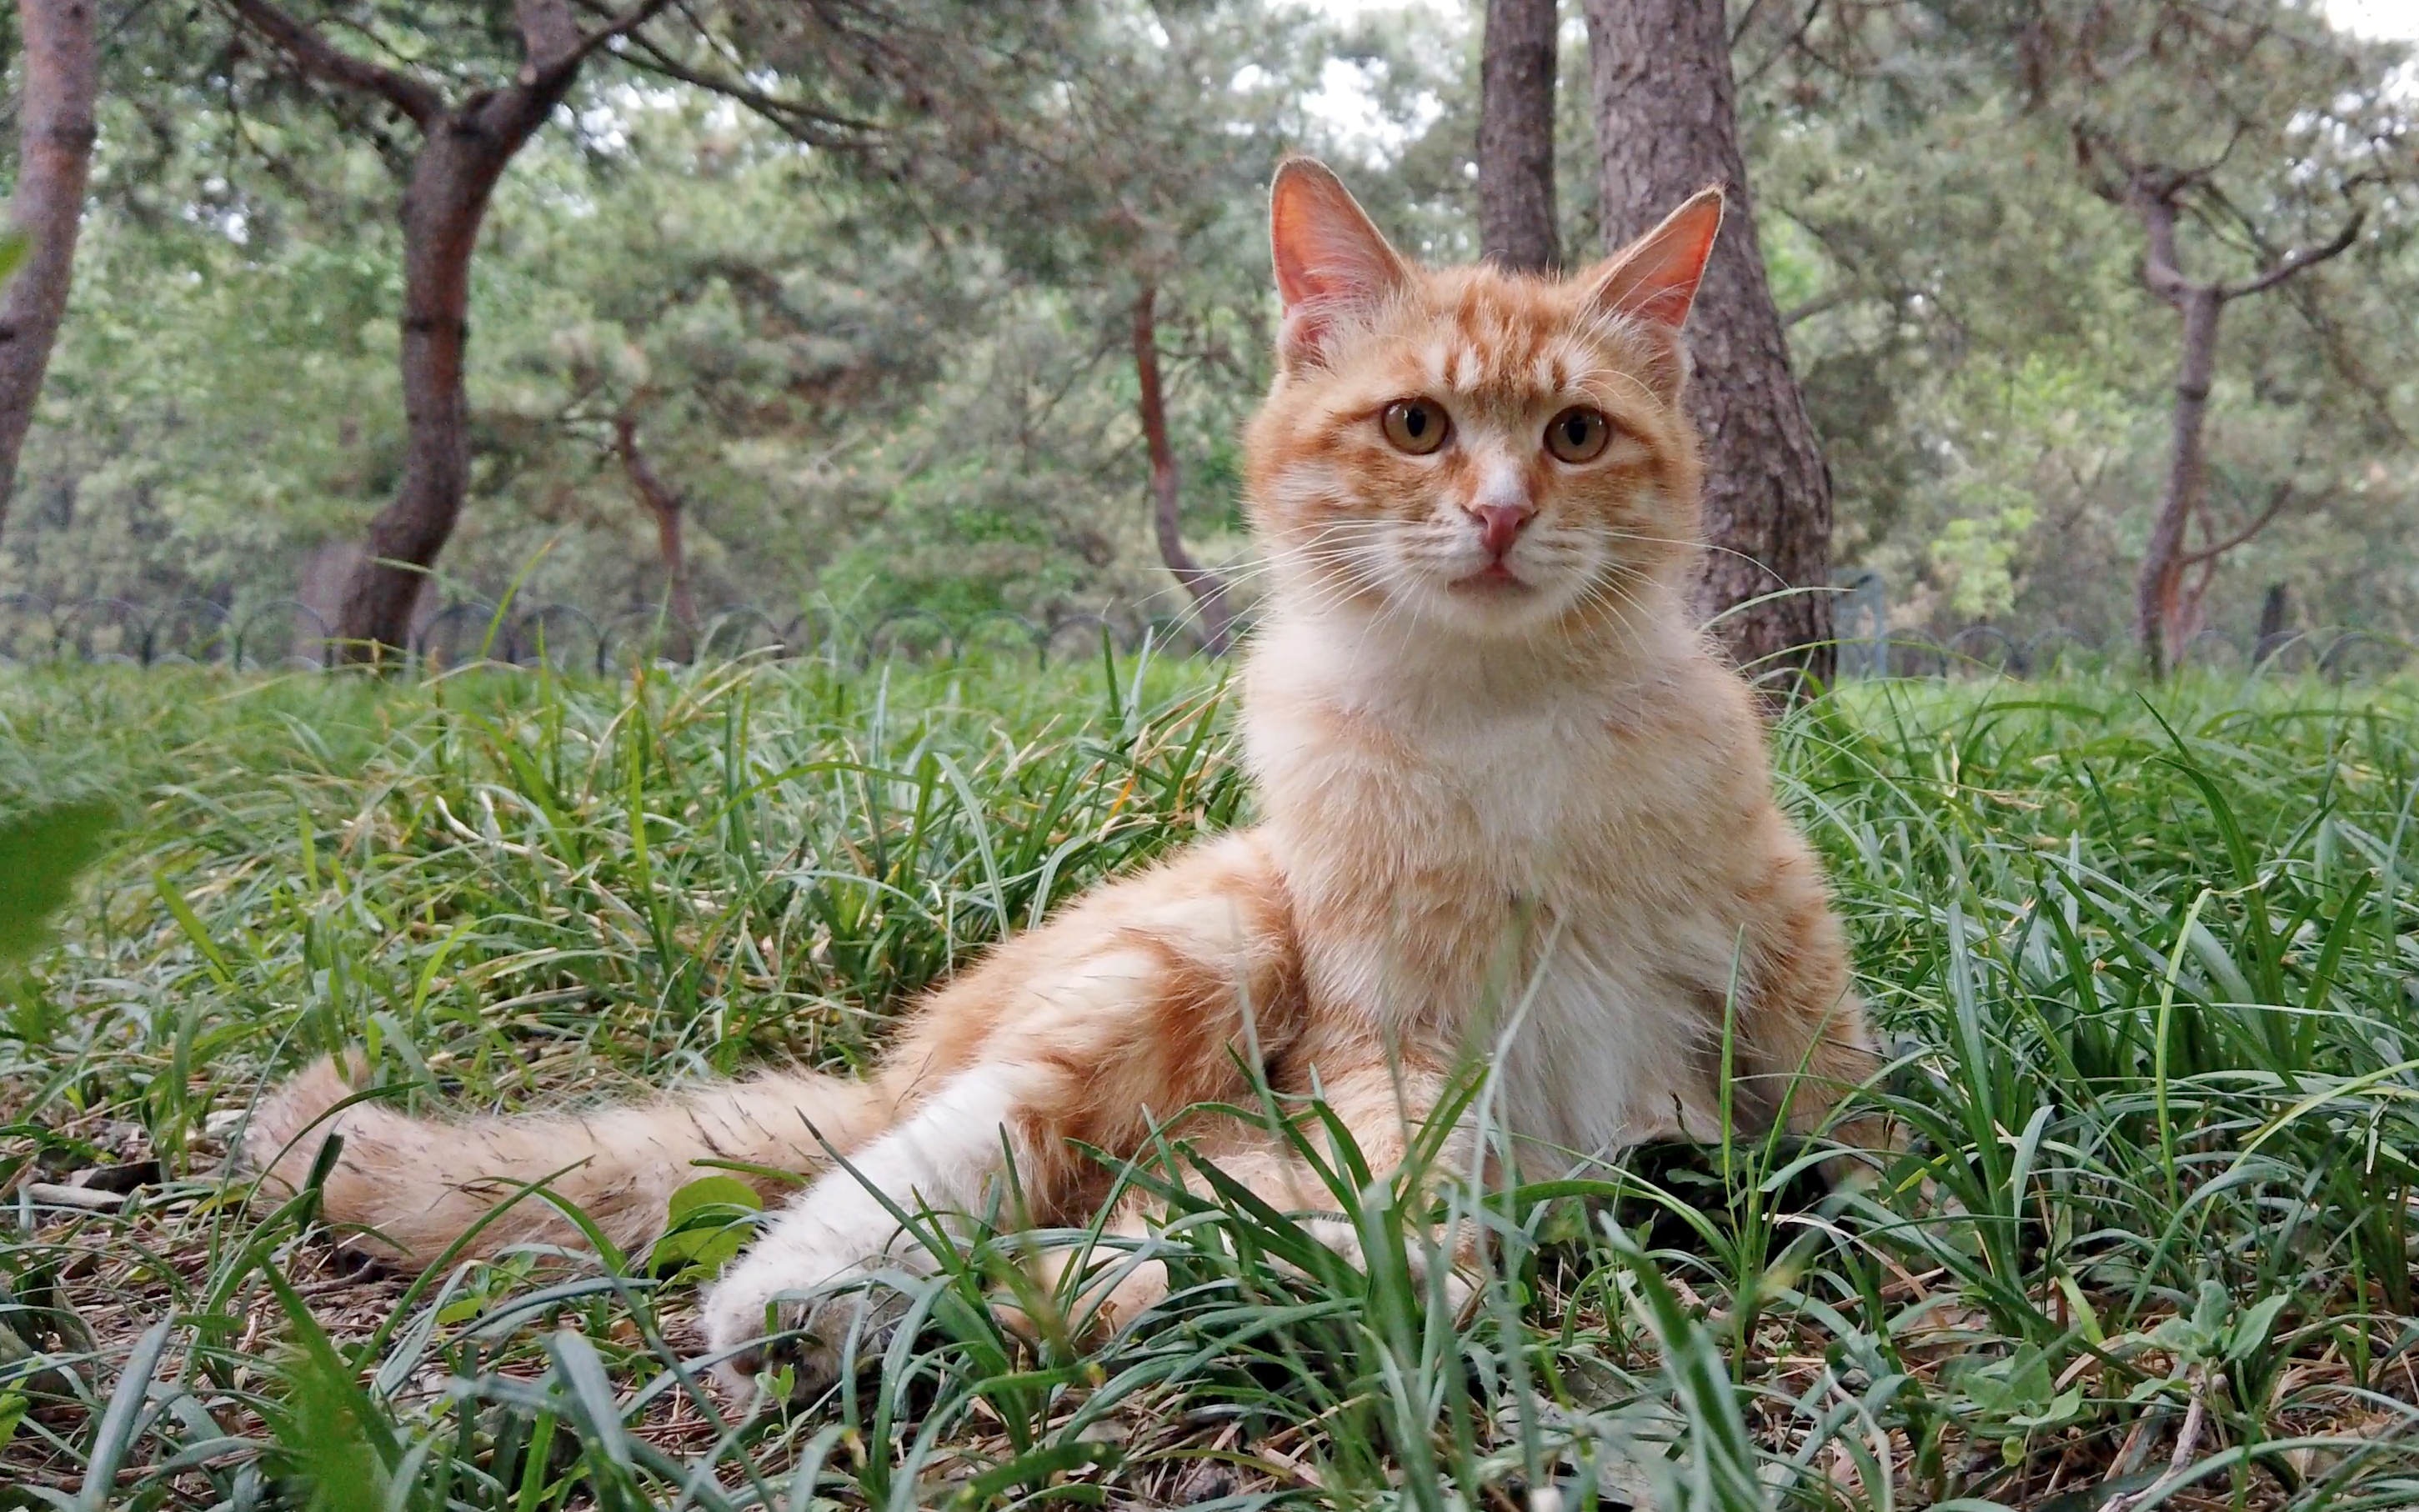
{"x":1667,"y":304}
{"x":1328,"y":254}
{"x":1656,"y":280}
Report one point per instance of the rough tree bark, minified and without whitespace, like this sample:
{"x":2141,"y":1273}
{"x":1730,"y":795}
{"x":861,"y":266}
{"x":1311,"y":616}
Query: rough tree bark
{"x":465,"y":147}
{"x":1208,"y":589}
{"x":665,"y":505}
{"x":1515,"y":136}
{"x":2166,"y":607}
{"x":1666,"y":127}
{"x":55,"y":131}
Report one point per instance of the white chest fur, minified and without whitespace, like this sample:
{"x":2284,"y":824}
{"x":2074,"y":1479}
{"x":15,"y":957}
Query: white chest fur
{"x":1604,"y":1046}
{"x":1598,"y":1033}
{"x":1522,"y":891}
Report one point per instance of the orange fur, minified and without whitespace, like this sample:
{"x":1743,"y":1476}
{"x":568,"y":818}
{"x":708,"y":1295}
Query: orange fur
{"x":1514,"y":807}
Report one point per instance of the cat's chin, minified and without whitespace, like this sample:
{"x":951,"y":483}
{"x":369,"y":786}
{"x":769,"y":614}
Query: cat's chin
{"x":1496,"y":602}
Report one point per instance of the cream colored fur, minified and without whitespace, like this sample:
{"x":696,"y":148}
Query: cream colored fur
{"x":1513,"y":807}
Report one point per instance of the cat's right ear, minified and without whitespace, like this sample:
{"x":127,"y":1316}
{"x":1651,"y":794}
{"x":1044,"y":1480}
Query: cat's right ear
{"x":1333,"y":263}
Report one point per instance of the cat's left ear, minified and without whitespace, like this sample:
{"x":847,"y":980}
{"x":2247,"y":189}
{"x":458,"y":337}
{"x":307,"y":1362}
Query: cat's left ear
{"x":1655,"y":278}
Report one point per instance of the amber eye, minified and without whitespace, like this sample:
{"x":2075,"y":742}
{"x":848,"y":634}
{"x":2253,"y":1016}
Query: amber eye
{"x":1418,"y":427}
{"x":1578,"y":435}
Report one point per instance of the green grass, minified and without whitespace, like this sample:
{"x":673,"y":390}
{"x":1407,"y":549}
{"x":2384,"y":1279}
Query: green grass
{"x":2152,"y":966}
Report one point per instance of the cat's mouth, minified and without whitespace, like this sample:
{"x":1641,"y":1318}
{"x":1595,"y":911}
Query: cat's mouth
{"x":1495,"y":578}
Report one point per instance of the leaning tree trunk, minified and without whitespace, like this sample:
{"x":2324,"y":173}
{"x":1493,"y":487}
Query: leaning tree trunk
{"x":664,"y":504}
{"x":62,"y":74}
{"x":462,"y":156}
{"x":2160,"y":611}
{"x":1667,"y":126}
{"x":1515,"y":136}
{"x":1206,"y":588}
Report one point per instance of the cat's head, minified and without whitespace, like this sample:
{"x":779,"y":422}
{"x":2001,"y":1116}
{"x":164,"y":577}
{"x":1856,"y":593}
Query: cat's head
{"x":1492,"y":453}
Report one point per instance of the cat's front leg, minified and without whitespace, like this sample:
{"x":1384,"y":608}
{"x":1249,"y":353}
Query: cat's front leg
{"x":784,"y":1301}
{"x":792,"y":1286}
{"x":1385,"y":1101}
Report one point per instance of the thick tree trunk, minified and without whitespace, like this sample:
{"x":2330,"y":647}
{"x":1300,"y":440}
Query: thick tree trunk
{"x":62,"y":74}
{"x":1208,"y":589}
{"x":461,"y":157}
{"x":665,"y":505}
{"x":1515,"y":136}
{"x":2161,"y":613}
{"x":1666,"y":127}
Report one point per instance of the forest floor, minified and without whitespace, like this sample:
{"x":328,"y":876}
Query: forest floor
{"x":2150,"y":965}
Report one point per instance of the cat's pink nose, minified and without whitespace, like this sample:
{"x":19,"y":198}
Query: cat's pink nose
{"x":1499,"y":525}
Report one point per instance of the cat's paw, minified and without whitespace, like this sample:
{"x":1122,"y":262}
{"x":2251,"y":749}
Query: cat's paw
{"x":1345,"y":1240}
{"x":795,"y":1307}
{"x":1113,"y":1291}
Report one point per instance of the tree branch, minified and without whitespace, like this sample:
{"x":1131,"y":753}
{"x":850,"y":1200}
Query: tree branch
{"x":2300,"y":261}
{"x":1830,"y":299}
{"x":2278,"y":498}
{"x":2157,"y":208}
{"x":804,"y":122}
{"x":1795,"y":40}
{"x":1746,"y":19}
{"x":549,"y":35}
{"x":567,"y":59}
{"x":2150,"y":193}
{"x":553,"y":50}
{"x":323,"y":60}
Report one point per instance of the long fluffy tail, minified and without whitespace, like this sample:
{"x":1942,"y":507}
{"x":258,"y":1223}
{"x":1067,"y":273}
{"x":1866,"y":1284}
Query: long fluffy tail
{"x":409,"y":1187}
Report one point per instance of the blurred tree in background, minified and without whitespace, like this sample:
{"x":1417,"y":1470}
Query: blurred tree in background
{"x":61,"y":76}
{"x":950,"y":305}
{"x":1991,"y":361}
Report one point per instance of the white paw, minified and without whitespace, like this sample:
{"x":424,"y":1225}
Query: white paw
{"x":1345,"y":1240}
{"x":787,"y":1304}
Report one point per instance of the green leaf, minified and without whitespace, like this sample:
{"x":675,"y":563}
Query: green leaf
{"x":2251,"y":1330}
{"x":710,"y":1223}
{"x":40,"y":854}
{"x":712,"y":1191}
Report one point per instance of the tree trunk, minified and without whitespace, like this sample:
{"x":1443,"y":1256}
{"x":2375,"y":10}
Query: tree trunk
{"x":62,"y":74}
{"x":1208,"y":589}
{"x":1666,"y":127}
{"x":2275,"y":611}
{"x":461,"y":157}
{"x":2166,"y":608}
{"x":2159,"y":612}
{"x":662,"y":501}
{"x":1515,"y":136}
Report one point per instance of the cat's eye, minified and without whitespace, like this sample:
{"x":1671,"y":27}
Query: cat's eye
{"x":1579,"y":434}
{"x":1418,"y":427}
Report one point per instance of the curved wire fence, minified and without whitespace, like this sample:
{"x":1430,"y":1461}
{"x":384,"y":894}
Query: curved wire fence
{"x":287,"y":633}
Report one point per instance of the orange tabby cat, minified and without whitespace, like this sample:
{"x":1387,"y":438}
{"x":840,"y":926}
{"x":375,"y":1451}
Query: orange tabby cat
{"x":1498,"y":764}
